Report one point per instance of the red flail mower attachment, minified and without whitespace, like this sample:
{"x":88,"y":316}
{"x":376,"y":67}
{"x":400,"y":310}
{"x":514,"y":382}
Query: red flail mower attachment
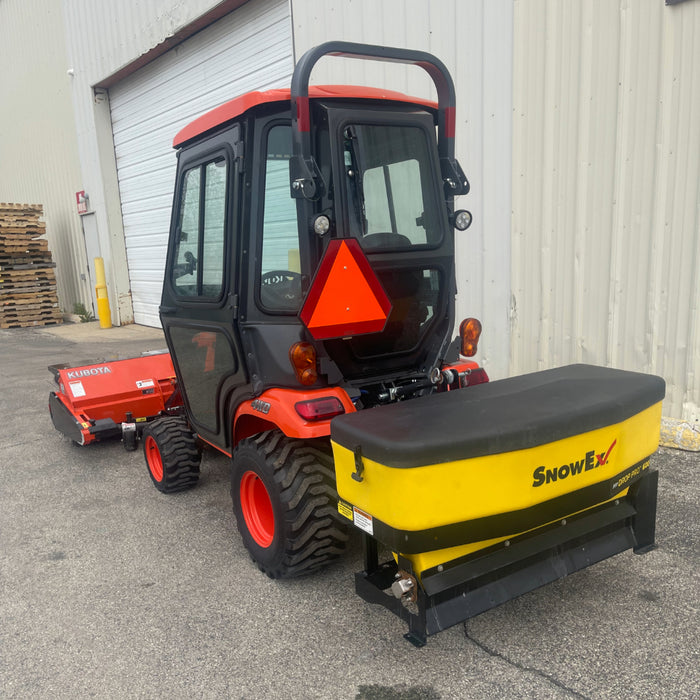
{"x":101,"y":400}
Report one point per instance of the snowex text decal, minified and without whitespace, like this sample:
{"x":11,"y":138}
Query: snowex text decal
{"x":591,"y":460}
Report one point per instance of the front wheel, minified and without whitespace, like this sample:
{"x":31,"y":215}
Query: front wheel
{"x":285,"y":503}
{"x":171,"y":454}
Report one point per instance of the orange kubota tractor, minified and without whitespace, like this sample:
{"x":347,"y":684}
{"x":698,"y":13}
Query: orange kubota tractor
{"x":308,"y":309}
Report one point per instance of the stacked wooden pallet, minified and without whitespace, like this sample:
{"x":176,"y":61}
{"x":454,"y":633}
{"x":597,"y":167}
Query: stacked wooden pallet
{"x":27,"y":278}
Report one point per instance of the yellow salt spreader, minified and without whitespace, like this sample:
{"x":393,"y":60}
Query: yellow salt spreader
{"x":486,"y":494}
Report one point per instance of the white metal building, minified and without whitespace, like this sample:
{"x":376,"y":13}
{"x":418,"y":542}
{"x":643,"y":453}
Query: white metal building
{"x":606,"y":191}
{"x":578,"y":126}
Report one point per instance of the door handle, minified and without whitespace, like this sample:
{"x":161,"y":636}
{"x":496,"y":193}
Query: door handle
{"x":167,"y":309}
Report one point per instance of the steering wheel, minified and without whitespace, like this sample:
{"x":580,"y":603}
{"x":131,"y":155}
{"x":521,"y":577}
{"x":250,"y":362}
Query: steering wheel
{"x":281,"y":289}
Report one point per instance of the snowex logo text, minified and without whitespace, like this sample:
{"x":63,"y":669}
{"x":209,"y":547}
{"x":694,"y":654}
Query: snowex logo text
{"x":591,"y":460}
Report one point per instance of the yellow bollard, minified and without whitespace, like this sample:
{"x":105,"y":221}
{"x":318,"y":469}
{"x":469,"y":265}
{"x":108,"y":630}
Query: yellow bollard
{"x":103,"y":312}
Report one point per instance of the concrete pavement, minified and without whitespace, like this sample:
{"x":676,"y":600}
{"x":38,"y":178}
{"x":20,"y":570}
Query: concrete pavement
{"x":110,"y":589}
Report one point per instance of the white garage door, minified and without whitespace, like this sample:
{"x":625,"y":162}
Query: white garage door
{"x":250,"y":49}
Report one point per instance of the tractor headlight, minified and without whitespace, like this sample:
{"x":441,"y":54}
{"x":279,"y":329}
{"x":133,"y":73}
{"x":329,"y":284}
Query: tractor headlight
{"x":462,"y":219}
{"x":321,"y":225}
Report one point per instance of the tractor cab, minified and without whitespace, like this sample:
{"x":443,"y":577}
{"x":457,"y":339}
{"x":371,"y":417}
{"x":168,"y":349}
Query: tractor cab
{"x":312,"y":245}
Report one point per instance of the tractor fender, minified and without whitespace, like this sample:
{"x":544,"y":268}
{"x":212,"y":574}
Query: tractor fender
{"x":276,"y":408}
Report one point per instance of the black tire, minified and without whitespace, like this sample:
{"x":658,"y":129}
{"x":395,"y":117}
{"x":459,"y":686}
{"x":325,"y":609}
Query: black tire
{"x":171,"y":453}
{"x":286,"y":504}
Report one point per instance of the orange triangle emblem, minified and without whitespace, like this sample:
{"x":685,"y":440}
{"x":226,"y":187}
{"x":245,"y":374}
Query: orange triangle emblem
{"x":346,"y":297}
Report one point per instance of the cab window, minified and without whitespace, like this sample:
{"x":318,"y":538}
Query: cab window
{"x":280,"y":279}
{"x":198,"y":269}
{"x":391,"y":199}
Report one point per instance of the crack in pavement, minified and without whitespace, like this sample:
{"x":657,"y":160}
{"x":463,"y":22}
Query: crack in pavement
{"x":531,"y":669}
{"x":21,"y":443}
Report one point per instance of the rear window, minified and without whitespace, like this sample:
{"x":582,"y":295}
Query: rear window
{"x":414,"y":295}
{"x":390,"y":188}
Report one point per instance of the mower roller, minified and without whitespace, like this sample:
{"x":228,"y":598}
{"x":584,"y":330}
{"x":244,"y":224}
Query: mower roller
{"x":308,"y":306}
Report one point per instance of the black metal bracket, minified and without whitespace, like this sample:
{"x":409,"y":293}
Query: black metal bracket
{"x":454,"y":179}
{"x":373,"y":585}
{"x":306,"y":180}
{"x":643,"y":496}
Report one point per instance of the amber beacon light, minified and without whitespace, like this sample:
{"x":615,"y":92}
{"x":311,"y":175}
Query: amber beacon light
{"x":469,"y":334}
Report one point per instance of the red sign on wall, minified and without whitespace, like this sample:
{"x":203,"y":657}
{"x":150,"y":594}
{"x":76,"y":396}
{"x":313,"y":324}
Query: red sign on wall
{"x":82,"y":201}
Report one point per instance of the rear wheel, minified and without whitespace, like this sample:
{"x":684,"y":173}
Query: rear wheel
{"x":285,"y":504}
{"x":171,"y":454}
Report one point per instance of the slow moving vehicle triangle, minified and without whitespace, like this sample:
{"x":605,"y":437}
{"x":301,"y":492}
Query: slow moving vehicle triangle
{"x":346,"y":297}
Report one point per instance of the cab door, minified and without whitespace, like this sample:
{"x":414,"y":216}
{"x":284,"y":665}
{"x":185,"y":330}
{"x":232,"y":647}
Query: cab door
{"x":199,"y":304}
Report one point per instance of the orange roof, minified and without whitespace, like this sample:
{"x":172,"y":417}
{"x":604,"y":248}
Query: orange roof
{"x":237,"y":106}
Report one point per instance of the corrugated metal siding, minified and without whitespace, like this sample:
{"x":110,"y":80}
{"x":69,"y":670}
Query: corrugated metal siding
{"x":606,"y":190}
{"x":105,"y":35}
{"x":249,"y":49}
{"x":474,"y":39}
{"x":38,"y":148}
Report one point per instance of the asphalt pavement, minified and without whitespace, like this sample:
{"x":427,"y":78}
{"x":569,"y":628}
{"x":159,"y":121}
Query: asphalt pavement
{"x":111,"y":589}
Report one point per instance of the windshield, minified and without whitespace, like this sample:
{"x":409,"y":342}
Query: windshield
{"x":390,"y":188}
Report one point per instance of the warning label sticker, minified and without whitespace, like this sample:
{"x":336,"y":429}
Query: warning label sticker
{"x":144,"y":383}
{"x":77,"y":389}
{"x":363,"y":520}
{"x":345,"y":509}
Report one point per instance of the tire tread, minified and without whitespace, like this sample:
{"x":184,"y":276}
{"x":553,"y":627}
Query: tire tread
{"x":178,"y":452}
{"x":313,"y":532}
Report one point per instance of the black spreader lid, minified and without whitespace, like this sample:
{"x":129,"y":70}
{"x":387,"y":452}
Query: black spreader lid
{"x":501,"y":416}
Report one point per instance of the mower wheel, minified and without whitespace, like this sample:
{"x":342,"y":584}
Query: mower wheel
{"x":285,"y":503}
{"x":171,"y":454}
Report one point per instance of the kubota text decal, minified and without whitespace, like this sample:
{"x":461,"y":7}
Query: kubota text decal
{"x":88,"y":372}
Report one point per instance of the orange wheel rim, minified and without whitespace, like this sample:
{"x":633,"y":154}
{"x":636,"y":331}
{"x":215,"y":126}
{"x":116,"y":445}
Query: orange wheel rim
{"x":153,"y":459}
{"x":257,"y":509}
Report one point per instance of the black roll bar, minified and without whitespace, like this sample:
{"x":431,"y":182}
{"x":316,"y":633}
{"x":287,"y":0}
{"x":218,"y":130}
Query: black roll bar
{"x":306,"y":173}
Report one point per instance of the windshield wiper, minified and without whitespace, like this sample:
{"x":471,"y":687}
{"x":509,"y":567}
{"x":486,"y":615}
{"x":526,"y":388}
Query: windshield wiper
{"x":353,"y":174}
